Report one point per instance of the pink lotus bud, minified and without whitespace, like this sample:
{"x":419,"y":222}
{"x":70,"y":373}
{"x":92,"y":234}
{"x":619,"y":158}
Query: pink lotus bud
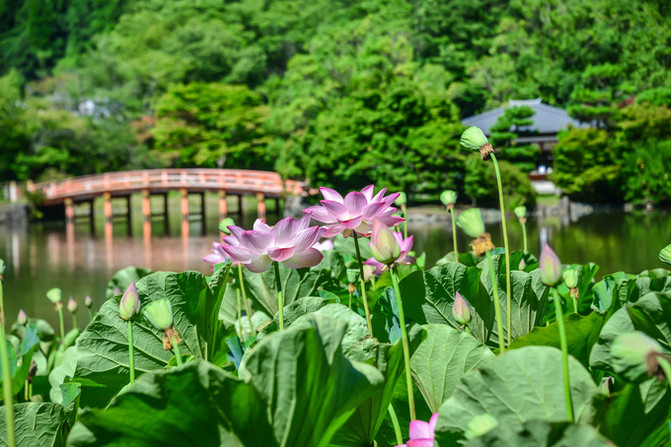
{"x":130,"y":303}
{"x":22,"y":318}
{"x":550,"y":266}
{"x":522,"y":265}
{"x":88,"y":301}
{"x":460,"y":310}
{"x":72,"y":305}
{"x":384,"y":247}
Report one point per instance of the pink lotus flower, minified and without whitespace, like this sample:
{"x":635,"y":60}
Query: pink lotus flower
{"x":217,"y":256}
{"x":290,"y":242}
{"x":422,"y":433}
{"x":388,"y":248}
{"x":356,"y":212}
{"x":326,"y":244}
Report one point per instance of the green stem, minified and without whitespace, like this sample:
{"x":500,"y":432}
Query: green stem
{"x":60,"y":319}
{"x":90,"y":315}
{"x":497,"y":303}
{"x":397,"y":426}
{"x":6,"y":377}
{"x":575,"y":304}
{"x":666,"y":367}
{"x":404,"y":339}
{"x":505,"y":245}
{"x":248,"y":310}
{"x":131,"y":359}
{"x":74,"y":321}
{"x":238,"y":324}
{"x":350,"y":301}
{"x":564,"y":350}
{"x":454,"y":235}
{"x":372,"y":282}
{"x":280,"y":302}
{"x":405,"y":221}
{"x":524,"y":236}
{"x":178,"y":355}
{"x":363,"y":283}
{"x":466,"y":329}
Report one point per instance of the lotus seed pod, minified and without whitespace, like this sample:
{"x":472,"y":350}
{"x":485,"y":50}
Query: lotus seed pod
{"x":480,"y":424}
{"x":520,"y":211}
{"x":448,"y":197}
{"x":72,"y":305}
{"x":473,"y":139}
{"x":570,"y":278}
{"x":224,"y":224}
{"x":159,"y":313}
{"x":54,"y":295}
{"x":460,"y":310}
{"x":402,"y":199}
{"x":635,"y":356}
{"x":550,"y":265}
{"x":88,"y":301}
{"x":471,"y":222}
{"x":665,"y":254}
{"x":383,"y":246}
{"x":352,"y":275}
{"x":130,"y":303}
{"x":22,"y":318}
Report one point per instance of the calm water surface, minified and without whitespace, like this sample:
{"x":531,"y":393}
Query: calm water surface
{"x":43,"y":255}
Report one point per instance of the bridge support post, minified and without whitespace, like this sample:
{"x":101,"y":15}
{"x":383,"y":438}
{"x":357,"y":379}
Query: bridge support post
{"x":202,"y":212}
{"x":223,"y":211}
{"x":69,"y":211}
{"x":261,"y":205}
{"x":107,"y":197}
{"x":240,"y":206}
{"x":277,"y":207}
{"x":146,"y":205}
{"x":184,"y":203}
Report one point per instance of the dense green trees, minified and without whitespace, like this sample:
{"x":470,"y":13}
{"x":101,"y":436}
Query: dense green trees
{"x":331,"y":91}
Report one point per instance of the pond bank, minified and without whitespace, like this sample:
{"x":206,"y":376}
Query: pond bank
{"x":11,"y":212}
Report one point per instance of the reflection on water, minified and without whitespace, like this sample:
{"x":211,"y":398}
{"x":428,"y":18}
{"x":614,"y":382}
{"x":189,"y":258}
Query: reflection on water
{"x":80,"y":261}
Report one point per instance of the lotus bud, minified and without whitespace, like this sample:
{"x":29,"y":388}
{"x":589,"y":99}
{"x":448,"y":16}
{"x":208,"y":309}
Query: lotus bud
{"x":460,"y":310}
{"x":72,"y":305}
{"x":570,"y":277}
{"x":473,"y":140}
{"x":54,"y":295}
{"x":224,"y":224}
{"x":130,"y":303}
{"x":22,"y":318}
{"x":159,"y":313}
{"x":117,"y":291}
{"x":352,"y":275}
{"x":480,"y":424}
{"x":383,"y":246}
{"x":550,"y":265}
{"x":448,"y":198}
{"x":88,"y":301}
{"x":636,"y":356}
{"x":402,"y":199}
{"x":522,"y":265}
{"x":665,"y":254}
{"x":471,"y":222}
{"x":2,"y":270}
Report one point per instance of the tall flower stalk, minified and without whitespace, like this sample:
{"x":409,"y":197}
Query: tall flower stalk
{"x":280,"y":300}
{"x":362,"y":283}
{"x":89,"y":304}
{"x":248,"y":310}
{"x":6,"y":373}
{"x":449,"y":198}
{"x":474,"y":140}
{"x":55,"y":295}
{"x":521,"y":213}
{"x":129,"y":306}
{"x":72,"y":308}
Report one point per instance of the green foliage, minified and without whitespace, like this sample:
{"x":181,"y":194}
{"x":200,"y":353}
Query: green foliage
{"x":514,"y":123}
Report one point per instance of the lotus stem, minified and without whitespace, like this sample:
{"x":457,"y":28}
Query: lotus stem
{"x":404,"y":340}
{"x":280,"y":301}
{"x":564,"y":350}
{"x":574,"y":300}
{"x":397,"y":426}
{"x":524,"y":235}
{"x":454,"y":235}
{"x":497,"y":303}
{"x":74,"y":321}
{"x":238,"y":324}
{"x":178,"y":355}
{"x":131,"y":359}
{"x":363,"y":283}
{"x":90,"y":315}
{"x":59,"y":307}
{"x":505,"y":244}
{"x":6,"y":376}
{"x":248,"y":310}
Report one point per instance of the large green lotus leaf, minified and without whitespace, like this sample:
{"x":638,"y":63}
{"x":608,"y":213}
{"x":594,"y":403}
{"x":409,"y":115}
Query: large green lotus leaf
{"x":539,"y":434}
{"x":296,"y":283}
{"x":197,"y":404}
{"x":310,"y":388}
{"x":38,"y":424}
{"x":123,"y":278}
{"x":516,"y":387}
{"x":616,"y":290}
{"x":20,"y":358}
{"x":428,"y":297}
{"x":443,"y":359}
{"x":100,"y":360}
{"x":363,"y":426}
{"x":581,"y":333}
{"x":651,"y":314}
{"x":293,"y":311}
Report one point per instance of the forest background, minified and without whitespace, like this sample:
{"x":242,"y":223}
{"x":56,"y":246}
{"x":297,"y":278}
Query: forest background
{"x":335,"y":92}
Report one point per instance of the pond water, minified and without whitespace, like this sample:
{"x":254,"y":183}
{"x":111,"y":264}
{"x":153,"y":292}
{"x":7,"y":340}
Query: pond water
{"x":43,"y":255}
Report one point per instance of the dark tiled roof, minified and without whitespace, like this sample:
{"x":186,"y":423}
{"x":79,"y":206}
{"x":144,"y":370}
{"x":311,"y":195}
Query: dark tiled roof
{"x":547,"y":119}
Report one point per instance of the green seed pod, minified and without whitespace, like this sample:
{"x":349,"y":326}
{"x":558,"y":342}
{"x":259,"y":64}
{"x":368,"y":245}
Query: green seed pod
{"x":480,"y":424}
{"x":159,"y":313}
{"x":473,"y":139}
{"x":550,"y":265}
{"x":54,"y":295}
{"x":130,"y":303}
{"x":460,"y":310}
{"x":448,"y":197}
{"x":635,"y":356}
{"x":223,"y":225}
{"x":402,"y":199}
{"x":520,"y":211}
{"x":570,"y":278}
{"x":471,"y":222}
{"x":665,"y":254}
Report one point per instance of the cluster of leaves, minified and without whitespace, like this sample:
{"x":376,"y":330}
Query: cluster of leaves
{"x":326,"y":381}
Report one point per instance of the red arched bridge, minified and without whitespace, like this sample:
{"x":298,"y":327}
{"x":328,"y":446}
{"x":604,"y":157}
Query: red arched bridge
{"x":239,"y":182}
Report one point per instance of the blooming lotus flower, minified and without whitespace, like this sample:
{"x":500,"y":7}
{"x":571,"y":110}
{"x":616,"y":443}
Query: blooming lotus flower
{"x":217,"y":256}
{"x":356,"y":212}
{"x":326,"y":244}
{"x":422,"y":433}
{"x":290,"y":242}
{"x":388,"y":248}
{"x":550,"y":266}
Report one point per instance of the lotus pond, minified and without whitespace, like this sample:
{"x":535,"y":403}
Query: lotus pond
{"x":331,"y":331}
